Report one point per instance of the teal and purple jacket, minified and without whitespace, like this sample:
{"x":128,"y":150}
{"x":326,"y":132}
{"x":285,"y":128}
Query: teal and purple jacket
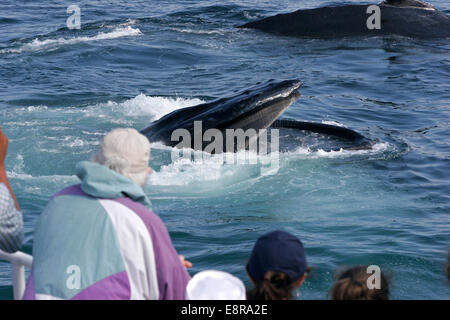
{"x":99,"y":240}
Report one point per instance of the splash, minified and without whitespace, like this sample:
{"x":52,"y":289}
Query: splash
{"x":154,"y":106}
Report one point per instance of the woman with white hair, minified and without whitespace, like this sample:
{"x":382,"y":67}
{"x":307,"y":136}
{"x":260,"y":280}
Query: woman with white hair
{"x":99,"y":239}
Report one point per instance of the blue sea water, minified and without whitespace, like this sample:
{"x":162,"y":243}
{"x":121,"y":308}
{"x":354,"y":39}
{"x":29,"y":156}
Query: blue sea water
{"x":132,"y":62}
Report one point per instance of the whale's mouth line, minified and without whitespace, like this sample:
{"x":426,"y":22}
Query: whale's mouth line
{"x":264,"y":107}
{"x":282,"y":95}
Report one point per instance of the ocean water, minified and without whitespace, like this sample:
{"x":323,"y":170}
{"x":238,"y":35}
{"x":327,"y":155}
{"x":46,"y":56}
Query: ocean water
{"x":130,"y":63}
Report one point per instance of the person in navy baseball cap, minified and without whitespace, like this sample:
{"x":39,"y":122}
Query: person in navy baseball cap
{"x":276,"y":266}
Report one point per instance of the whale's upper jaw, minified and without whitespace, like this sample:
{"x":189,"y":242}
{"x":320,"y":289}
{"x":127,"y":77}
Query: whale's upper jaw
{"x":281,"y":90}
{"x":257,"y":107}
{"x":267,"y":107}
{"x":264,"y":104}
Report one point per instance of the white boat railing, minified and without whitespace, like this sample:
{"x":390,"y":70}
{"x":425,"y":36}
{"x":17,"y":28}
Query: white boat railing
{"x":19,"y":260}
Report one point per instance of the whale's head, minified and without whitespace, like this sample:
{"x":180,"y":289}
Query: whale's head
{"x":255,"y":108}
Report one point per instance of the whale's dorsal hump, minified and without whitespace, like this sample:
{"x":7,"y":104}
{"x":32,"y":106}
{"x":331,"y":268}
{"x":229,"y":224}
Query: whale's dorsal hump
{"x":408,"y":4}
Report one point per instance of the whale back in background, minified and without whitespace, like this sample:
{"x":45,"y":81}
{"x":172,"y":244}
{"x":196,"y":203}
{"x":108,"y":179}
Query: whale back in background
{"x":416,"y":22}
{"x":403,"y":19}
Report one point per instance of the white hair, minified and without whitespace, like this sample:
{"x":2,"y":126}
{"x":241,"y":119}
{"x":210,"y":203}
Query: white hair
{"x":127,"y":152}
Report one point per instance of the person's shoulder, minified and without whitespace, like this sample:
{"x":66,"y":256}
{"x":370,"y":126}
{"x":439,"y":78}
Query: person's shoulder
{"x":139,"y":208}
{"x":70,"y":190}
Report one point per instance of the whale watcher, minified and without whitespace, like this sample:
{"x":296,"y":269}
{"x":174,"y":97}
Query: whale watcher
{"x":215,"y":285}
{"x":99,"y":239}
{"x":11,"y":223}
{"x":353,"y":284}
{"x":277,"y":266}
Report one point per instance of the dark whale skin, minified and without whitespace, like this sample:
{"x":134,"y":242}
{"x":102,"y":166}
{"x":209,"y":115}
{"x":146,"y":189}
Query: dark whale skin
{"x":407,"y":18}
{"x":255,"y":108}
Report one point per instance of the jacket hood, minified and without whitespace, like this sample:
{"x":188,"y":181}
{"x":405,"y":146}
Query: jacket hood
{"x":100,"y":182}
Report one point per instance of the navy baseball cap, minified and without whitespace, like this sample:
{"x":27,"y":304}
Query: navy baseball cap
{"x":277,"y":251}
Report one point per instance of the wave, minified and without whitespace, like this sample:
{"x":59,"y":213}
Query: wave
{"x":198,"y":31}
{"x":127,"y":23}
{"x":252,"y":15}
{"x":26,"y":176}
{"x":53,"y":44}
{"x":377,"y":148}
{"x":154,"y":107}
{"x":333,"y":123}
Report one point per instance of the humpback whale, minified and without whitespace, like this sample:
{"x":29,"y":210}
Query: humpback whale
{"x":410,"y":18}
{"x":256,"y":108}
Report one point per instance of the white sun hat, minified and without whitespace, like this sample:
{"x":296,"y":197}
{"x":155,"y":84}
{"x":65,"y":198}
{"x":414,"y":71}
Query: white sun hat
{"x":127,"y":152}
{"x":215,"y":285}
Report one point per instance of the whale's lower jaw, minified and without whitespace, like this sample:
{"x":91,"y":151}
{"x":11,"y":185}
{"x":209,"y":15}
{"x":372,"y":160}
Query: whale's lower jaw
{"x":355,"y":140}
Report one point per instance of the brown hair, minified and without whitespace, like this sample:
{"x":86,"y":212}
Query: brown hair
{"x":276,"y":285}
{"x":351,"y":284}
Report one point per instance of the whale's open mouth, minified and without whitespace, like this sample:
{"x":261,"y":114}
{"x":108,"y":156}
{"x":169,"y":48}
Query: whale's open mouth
{"x":255,"y":108}
{"x":268,"y":105}
{"x":233,"y":123}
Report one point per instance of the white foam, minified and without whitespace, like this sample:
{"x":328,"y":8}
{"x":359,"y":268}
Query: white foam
{"x":333,"y":123}
{"x":213,"y":168}
{"x":53,"y":178}
{"x":153,"y":106}
{"x":19,"y":163}
{"x":52,"y":44}
{"x":198,"y":31}
{"x":221,"y":169}
{"x":129,"y":22}
{"x":184,"y":171}
{"x":36,"y":108}
{"x":17,"y":172}
{"x":376,"y":149}
{"x":250,"y":16}
{"x":21,"y":176}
